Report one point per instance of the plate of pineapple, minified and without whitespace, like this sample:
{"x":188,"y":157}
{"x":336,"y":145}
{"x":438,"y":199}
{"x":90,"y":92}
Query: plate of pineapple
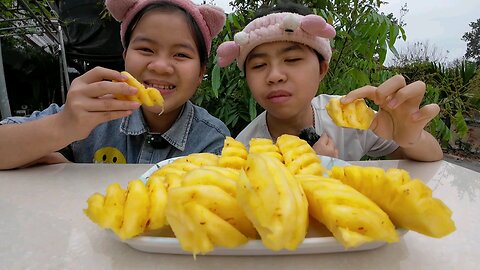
{"x":272,"y":199}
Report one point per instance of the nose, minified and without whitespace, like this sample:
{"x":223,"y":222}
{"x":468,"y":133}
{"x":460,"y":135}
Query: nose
{"x":161,"y":65}
{"x":276,"y":74}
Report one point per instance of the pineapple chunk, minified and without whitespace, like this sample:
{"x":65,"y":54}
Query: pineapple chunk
{"x":158,"y":202}
{"x":205,"y":176}
{"x":409,"y":203}
{"x":135,"y":215}
{"x":262,"y":145}
{"x":274,"y":201}
{"x":146,"y":96}
{"x":351,"y":217}
{"x":352,"y":115}
{"x":299,"y":156}
{"x":234,"y":154}
{"x":200,"y":215}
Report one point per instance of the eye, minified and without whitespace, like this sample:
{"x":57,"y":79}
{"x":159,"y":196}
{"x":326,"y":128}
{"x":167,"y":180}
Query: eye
{"x":183,"y":55}
{"x":292,"y":60}
{"x":257,"y":66}
{"x":145,"y":49}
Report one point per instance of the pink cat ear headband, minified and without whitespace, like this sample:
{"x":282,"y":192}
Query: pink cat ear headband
{"x":311,"y":30}
{"x":210,"y":19}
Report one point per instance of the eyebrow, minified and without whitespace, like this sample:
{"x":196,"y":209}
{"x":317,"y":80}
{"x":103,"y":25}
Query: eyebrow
{"x":292,"y":47}
{"x":185,"y":45}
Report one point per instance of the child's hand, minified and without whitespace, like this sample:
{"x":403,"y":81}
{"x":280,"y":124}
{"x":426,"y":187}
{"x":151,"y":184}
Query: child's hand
{"x":400,"y":117}
{"x":90,"y":101}
{"x":325,"y":146}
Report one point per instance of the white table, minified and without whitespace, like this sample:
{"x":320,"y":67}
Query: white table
{"x":42,"y":226}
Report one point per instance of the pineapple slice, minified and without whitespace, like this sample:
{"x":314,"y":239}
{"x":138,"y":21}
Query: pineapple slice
{"x":199,"y":159}
{"x":158,"y":202}
{"x":409,"y":203}
{"x":107,"y":211}
{"x":299,"y":156}
{"x":234,"y":154}
{"x":206,"y":176}
{"x":352,"y":217}
{"x":199,"y":215}
{"x":95,"y":210}
{"x":274,"y":201}
{"x":146,"y":96}
{"x":135,"y":215}
{"x":352,"y":115}
{"x":262,"y":145}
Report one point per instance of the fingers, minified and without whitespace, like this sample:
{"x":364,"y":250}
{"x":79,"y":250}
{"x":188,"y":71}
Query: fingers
{"x":362,"y":92}
{"x":413,"y":92}
{"x":103,"y":88}
{"x":426,"y":113}
{"x":110,"y":104}
{"x":388,"y":88}
{"x":101,"y":81}
{"x":102,"y":74}
{"x":392,"y":93}
{"x":325,"y":146}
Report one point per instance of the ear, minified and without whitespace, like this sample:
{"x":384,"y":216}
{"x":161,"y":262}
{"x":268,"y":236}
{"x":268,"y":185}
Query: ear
{"x":214,"y":17}
{"x":323,"y":69}
{"x":203,"y":69}
{"x":227,"y":52}
{"x":317,"y":26}
{"x":118,"y":8}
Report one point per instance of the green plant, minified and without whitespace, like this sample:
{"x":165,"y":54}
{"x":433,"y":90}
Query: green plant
{"x":363,"y":37}
{"x":450,"y":89}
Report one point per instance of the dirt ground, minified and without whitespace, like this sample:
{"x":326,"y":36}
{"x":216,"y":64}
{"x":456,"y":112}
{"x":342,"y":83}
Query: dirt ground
{"x":466,"y":158}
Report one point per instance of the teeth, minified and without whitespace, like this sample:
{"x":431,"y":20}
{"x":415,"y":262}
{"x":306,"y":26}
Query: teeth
{"x":161,"y":87}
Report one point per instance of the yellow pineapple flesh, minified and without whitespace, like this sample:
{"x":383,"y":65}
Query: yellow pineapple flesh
{"x":408,"y":202}
{"x":146,"y":96}
{"x":352,"y":217}
{"x":352,"y":115}
{"x":274,"y":201}
{"x":299,"y":156}
{"x":234,"y":154}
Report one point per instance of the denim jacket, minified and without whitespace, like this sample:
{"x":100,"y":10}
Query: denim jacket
{"x":128,"y":140}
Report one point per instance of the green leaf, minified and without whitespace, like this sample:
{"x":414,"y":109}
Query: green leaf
{"x":462,"y":128}
{"x":393,"y":35}
{"x":252,"y":108}
{"x":216,"y":80}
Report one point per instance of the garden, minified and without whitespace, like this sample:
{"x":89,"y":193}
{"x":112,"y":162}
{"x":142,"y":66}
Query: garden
{"x":33,"y":73}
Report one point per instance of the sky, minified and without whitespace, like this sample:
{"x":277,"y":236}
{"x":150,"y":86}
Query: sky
{"x":441,"y":23}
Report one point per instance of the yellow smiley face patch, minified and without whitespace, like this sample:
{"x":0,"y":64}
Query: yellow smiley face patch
{"x":109,"y":155}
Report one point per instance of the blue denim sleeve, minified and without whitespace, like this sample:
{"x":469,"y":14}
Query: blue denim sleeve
{"x":52,"y":109}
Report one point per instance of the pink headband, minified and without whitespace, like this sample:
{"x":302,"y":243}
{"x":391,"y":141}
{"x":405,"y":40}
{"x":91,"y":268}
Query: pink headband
{"x":210,"y":19}
{"x":311,"y":30}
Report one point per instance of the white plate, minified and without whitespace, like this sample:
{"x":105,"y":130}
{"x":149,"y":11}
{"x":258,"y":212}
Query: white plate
{"x":318,"y":239}
{"x":327,"y":162}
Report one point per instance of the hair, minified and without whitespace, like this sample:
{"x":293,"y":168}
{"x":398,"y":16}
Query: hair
{"x":286,"y":6}
{"x":283,"y":6}
{"x":197,"y":34}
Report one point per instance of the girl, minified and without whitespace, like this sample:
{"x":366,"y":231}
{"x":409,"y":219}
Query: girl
{"x":285,"y":53}
{"x":167,"y":43}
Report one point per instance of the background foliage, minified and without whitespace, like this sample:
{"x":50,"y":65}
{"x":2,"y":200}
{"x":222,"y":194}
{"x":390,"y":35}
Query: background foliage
{"x":364,"y":35}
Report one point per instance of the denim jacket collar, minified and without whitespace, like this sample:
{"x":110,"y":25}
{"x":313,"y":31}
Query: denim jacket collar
{"x":177,"y":135}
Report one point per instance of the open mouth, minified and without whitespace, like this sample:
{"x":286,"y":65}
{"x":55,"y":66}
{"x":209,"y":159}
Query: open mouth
{"x":163,"y":88}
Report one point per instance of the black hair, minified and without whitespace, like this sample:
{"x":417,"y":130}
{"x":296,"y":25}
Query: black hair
{"x":197,"y":34}
{"x":286,"y":6}
{"x":283,"y":6}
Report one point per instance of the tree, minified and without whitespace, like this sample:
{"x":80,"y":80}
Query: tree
{"x":473,"y":41}
{"x":420,"y":51}
{"x":364,"y":35}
